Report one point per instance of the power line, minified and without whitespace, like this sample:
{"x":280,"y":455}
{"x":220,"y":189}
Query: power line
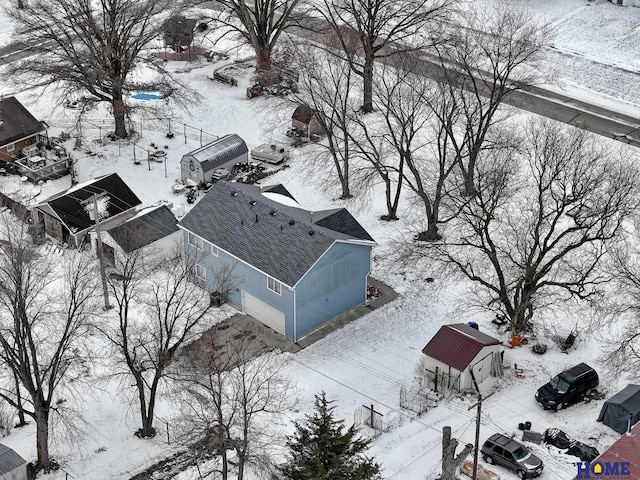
{"x":430,"y":449}
{"x":454,"y":408}
{"x":379,"y":402}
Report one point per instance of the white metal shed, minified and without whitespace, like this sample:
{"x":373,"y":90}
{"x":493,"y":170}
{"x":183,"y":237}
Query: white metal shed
{"x":457,"y":349}
{"x":225,"y":152}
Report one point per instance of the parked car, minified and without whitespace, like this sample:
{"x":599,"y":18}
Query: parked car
{"x":502,"y":450}
{"x":567,"y":387}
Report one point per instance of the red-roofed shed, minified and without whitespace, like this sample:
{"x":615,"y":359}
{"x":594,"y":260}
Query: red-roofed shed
{"x":454,"y":349}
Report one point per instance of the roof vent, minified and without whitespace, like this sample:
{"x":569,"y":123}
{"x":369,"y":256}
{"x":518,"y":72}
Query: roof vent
{"x":256,"y":218}
{"x":281,"y":227}
{"x":291,"y":222}
{"x":272,"y":213}
{"x":252,"y":203}
{"x":311,"y":232}
{"x":233,"y":194}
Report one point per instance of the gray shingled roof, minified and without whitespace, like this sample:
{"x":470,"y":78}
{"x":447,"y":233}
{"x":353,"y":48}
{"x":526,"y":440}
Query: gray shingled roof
{"x":9,"y":459}
{"x":219,"y":151}
{"x":145,"y":228}
{"x":280,"y":240}
{"x":278,"y":188}
{"x":341,"y":220}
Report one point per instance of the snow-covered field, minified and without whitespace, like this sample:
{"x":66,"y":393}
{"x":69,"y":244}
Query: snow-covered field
{"x":596,"y":53}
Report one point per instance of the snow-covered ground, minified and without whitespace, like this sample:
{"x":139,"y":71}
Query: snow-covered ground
{"x":367,"y":361}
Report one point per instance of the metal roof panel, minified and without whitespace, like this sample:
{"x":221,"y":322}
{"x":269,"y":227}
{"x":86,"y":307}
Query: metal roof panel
{"x":457,"y":345}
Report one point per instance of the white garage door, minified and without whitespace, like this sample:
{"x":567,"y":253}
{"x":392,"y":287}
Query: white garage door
{"x":264,"y":312}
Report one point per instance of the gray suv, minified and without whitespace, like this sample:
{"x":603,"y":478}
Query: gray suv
{"x":511,"y":454}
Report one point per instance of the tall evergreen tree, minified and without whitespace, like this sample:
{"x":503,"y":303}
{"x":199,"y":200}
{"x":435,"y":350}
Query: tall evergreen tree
{"x":321,"y":449}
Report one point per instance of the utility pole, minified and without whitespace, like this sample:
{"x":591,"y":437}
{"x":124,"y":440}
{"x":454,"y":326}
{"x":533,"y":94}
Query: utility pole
{"x":479,"y":405}
{"x":103,"y":273}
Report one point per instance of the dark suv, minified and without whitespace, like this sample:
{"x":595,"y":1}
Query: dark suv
{"x":567,"y":387}
{"x":511,"y":454}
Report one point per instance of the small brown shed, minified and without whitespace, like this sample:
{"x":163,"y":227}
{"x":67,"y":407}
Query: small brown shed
{"x":178,"y":32}
{"x":305,"y":121}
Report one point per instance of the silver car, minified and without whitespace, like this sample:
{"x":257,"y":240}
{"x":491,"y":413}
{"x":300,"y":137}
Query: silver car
{"x":509,"y":453}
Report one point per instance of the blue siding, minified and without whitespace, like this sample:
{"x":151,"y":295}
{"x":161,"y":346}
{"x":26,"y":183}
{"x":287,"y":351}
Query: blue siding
{"x":246,"y":278}
{"x":335,"y":284}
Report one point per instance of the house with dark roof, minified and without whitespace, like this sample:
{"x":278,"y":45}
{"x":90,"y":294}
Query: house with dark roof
{"x":69,"y":216}
{"x":292,"y":269}
{"x":305,"y":122}
{"x":154,"y":228}
{"x":211,"y":161}
{"x":18,"y":128}
{"x":12,"y":465}
{"x":457,"y":349}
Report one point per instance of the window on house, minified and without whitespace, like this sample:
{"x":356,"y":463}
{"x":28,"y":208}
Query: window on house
{"x":213,"y":249}
{"x":195,"y":241}
{"x":11,"y":147}
{"x":274,"y":285}
{"x":200,"y":272}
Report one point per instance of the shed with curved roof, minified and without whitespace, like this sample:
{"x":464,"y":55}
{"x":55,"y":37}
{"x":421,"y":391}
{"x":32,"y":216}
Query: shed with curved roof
{"x":209,"y":161}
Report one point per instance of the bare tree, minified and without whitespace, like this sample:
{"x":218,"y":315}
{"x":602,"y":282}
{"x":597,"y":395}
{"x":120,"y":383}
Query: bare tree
{"x":225,"y":280}
{"x":261,"y":23}
{"x":159,"y":311}
{"x":16,"y":394}
{"x":490,"y":53}
{"x":622,"y":354}
{"x":535,"y":233}
{"x":372,"y":147}
{"x":407,"y":119}
{"x":90,"y":47}
{"x":46,"y":305}
{"x":225,"y":387}
{"x":374,"y":144}
{"x":325,"y":85}
{"x":380,"y":29}
{"x":424,"y":163}
{"x":22,"y":421}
